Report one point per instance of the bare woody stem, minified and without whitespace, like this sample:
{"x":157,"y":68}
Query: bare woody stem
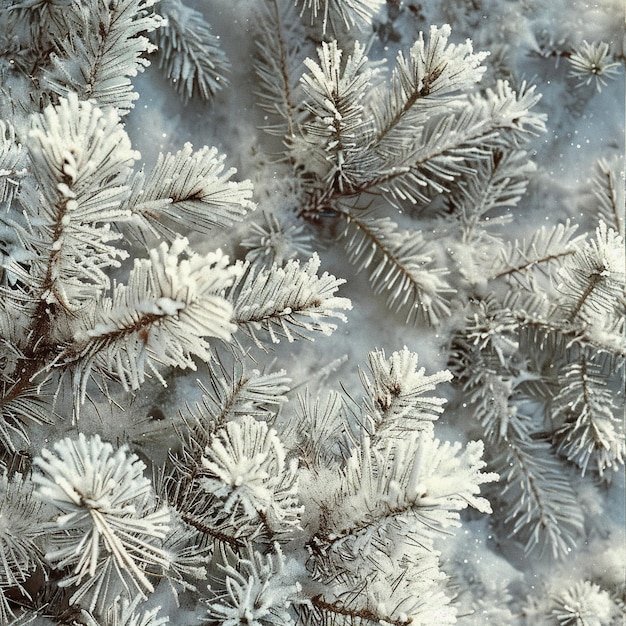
{"x":364,"y":614}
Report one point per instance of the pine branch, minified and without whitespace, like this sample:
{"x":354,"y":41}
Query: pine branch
{"x":399,"y":262}
{"x":591,"y":63}
{"x":392,"y":501}
{"x":22,"y":528}
{"x":340,"y":15}
{"x":321,"y":430}
{"x":106,"y":506}
{"x":608,"y":189}
{"x":395,"y":395}
{"x":413,"y":486}
{"x":81,"y":159}
{"x":422,"y":85}
{"x":543,"y":512}
{"x":496,"y":183}
{"x":11,"y":163}
{"x":592,"y":280}
{"x":334,"y":128}
{"x":390,"y":143}
{"x":163,"y":316}
{"x":22,"y":404}
{"x":289,"y":301}
{"x":32,"y":29}
{"x":231,"y":396}
{"x":589,"y":432}
{"x":124,"y":612}
{"x":440,"y":150}
{"x":279,"y":64}
{"x":339,"y":613}
{"x":491,"y":329}
{"x":189,"y":189}
{"x":277,"y":239}
{"x":245,"y":466}
{"x":257,"y":586}
{"x":103,"y":52}
{"x":584,"y":602}
{"x":189,"y":53}
{"x":404,"y":586}
{"x":546,"y":248}
{"x":187,"y":561}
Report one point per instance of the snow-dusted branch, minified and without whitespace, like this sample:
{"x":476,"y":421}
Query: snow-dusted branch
{"x":106,"y":507}
{"x":103,"y":51}
{"x":189,"y":189}
{"x":164,"y":316}
{"x":401,"y":264}
{"x":290,"y":301}
{"x":81,"y":158}
{"x":189,"y":53}
{"x":395,"y":395}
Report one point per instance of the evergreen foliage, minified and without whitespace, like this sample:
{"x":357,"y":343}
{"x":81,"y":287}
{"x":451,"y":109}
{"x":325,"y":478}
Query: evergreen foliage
{"x":189,"y":54}
{"x":270,"y":492}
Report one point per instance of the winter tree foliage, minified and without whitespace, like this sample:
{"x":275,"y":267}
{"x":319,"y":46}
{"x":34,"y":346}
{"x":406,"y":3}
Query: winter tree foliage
{"x":298,"y":390}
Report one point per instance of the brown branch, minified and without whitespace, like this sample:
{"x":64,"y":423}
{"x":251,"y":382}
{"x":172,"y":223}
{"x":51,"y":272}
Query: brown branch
{"x":530,"y":264}
{"x":365,"y":614}
{"x":200,"y":525}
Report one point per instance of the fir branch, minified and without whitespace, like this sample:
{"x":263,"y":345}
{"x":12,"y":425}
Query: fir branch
{"x":497,"y":183}
{"x":422,"y":84}
{"x":340,"y":15}
{"x":100,"y":56}
{"x":608,"y":189}
{"x":546,"y":248}
{"x":289,"y":301}
{"x":189,"y":53}
{"x":191,"y":189}
{"x":587,"y":430}
{"x":395,"y":396}
{"x":163,"y":316}
{"x":401,"y":263}
{"x":278,"y":64}
{"x":542,"y":510}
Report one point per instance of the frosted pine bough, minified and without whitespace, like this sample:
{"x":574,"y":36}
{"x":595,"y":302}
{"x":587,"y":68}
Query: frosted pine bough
{"x":329,"y":513}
